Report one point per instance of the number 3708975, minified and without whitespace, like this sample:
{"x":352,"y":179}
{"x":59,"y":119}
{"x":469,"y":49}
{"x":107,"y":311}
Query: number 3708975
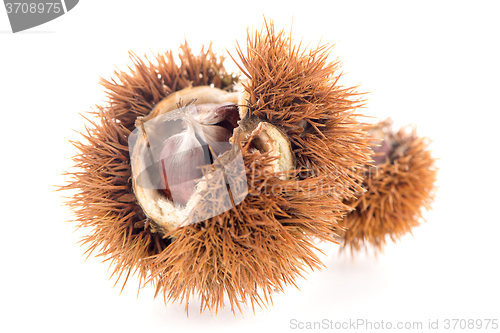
{"x":26,"y":7}
{"x":471,"y":324}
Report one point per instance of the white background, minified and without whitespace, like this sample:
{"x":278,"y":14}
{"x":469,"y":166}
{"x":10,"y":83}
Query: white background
{"x":433,"y":64}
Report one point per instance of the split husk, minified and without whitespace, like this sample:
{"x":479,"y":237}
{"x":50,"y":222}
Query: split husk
{"x":266,"y":241}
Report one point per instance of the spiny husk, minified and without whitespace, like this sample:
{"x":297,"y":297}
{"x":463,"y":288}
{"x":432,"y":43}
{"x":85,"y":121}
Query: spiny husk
{"x":104,"y":201}
{"x":291,"y":87}
{"x":266,"y":241}
{"x":397,"y":191}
